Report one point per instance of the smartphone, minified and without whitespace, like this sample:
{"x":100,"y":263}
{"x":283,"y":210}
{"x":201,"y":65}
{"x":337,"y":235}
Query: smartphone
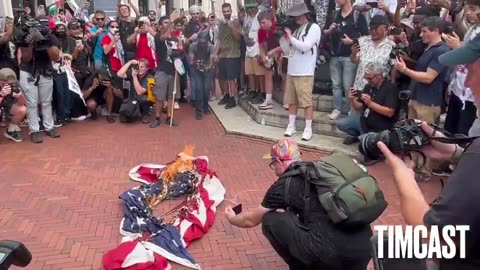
{"x":237,"y":209}
{"x":355,"y":42}
{"x":373,"y":4}
{"x":358,"y":94}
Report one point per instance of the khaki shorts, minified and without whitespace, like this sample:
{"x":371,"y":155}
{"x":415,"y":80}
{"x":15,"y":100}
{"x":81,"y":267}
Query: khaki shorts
{"x":429,"y":114}
{"x":252,"y":67}
{"x":298,"y":91}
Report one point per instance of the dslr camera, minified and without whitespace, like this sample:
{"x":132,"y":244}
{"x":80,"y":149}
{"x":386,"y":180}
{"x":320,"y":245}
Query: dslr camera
{"x":9,"y":100}
{"x":26,"y":25}
{"x":406,"y":136}
{"x":284,"y":21}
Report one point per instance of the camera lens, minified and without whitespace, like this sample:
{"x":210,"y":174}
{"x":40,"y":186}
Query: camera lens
{"x":368,"y":145}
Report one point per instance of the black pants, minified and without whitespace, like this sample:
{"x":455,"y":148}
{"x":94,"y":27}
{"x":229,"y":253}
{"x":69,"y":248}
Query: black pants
{"x":459,"y":119}
{"x":303,"y":249}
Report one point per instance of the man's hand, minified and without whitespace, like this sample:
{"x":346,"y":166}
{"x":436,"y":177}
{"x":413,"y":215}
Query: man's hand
{"x":400,"y":64}
{"x":437,"y":150}
{"x":382,"y":6}
{"x":137,"y":30}
{"x":347,"y":40}
{"x":355,"y":50}
{"x":99,"y":31}
{"x":134,"y":72}
{"x":133,"y":62}
{"x":453,"y":41}
{"x":397,"y":165}
{"x":404,"y":56}
{"x":29,"y":39}
{"x":117,"y":92}
{"x":229,"y":213}
{"x":288,"y":34}
{"x":6,"y":90}
{"x":330,"y":29}
{"x":116,"y":36}
{"x":367,"y":99}
{"x":352,"y":93}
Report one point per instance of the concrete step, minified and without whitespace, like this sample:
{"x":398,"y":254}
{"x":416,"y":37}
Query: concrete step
{"x":278,"y":117}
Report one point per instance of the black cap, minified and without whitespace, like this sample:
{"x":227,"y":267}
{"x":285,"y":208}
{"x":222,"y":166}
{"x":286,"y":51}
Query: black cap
{"x":378,"y":20}
{"x":73,"y":25}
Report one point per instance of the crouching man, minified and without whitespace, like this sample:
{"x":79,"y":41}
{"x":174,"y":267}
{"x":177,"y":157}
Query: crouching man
{"x":378,"y":103}
{"x":317,"y":244}
{"x":136,"y":71}
{"x":12,"y":103}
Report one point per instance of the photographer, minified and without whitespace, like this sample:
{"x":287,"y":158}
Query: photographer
{"x":201,"y":56}
{"x":145,"y":42}
{"x":302,"y":55}
{"x":11,"y":104}
{"x":378,"y":103}
{"x":136,"y":71}
{"x":427,"y":95}
{"x":36,"y":78}
{"x":304,"y":243}
{"x":348,"y":25}
{"x":457,"y":203}
{"x":98,"y":90}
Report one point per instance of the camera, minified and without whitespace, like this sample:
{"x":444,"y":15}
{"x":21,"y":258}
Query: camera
{"x":405,"y":136}
{"x":26,"y":25}
{"x":9,"y":100}
{"x":134,"y":66}
{"x":103,"y":77}
{"x":284,"y":21}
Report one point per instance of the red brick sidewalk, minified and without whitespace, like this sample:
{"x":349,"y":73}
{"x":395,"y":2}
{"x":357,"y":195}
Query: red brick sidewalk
{"x":60,"y":197}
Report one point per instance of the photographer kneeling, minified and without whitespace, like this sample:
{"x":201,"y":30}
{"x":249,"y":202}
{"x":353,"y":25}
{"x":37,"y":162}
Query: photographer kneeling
{"x":98,"y":90}
{"x":11,"y":105}
{"x":457,"y":203}
{"x":136,"y":71}
{"x":378,"y":101}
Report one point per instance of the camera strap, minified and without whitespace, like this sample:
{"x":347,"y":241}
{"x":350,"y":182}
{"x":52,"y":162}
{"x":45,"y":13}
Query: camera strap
{"x":451,"y":138}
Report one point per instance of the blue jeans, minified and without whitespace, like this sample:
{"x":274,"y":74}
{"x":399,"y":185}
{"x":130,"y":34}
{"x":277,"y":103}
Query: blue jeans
{"x":98,"y":64}
{"x":351,"y":124}
{"x":202,"y":84}
{"x":342,"y":72}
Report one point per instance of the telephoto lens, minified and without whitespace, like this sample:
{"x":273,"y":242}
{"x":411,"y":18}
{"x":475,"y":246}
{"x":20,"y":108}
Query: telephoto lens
{"x":404,"y":137}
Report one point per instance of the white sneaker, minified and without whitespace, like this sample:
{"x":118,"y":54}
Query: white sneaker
{"x":285,"y":106}
{"x":334,"y":115}
{"x":307,"y":134}
{"x":176,"y":106}
{"x":266,"y":105}
{"x":80,"y":118}
{"x":290,"y":131}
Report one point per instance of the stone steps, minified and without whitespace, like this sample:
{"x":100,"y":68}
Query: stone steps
{"x":278,"y":117}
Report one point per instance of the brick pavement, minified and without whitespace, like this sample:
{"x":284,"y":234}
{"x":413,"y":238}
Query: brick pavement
{"x":60,"y":197}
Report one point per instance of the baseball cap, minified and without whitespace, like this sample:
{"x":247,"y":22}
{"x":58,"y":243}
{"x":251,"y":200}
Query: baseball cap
{"x":468,"y":53}
{"x":6,"y":73}
{"x":251,"y":4}
{"x":284,"y":149}
{"x":378,"y":20}
{"x":73,"y":25}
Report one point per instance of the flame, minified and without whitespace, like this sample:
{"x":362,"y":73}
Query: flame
{"x":183,"y":162}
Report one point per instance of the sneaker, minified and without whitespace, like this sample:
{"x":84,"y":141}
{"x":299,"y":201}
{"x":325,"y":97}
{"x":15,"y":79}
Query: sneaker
{"x":334,"y":115}
{"x":290,"y":131}
{"x":266,"y":105}
{"x":36,"y":137}
{"x":307,"y":134}
{"x":231,"y":103}
{"x":155,"y":123}
{"x":13,"y":135}
{"x":224,"y":100}
{"x":58,"y":123}
{"x":199,"y":116}
{"x":176,"y":106}
{"x":350,"y":140}
{"x":174,"y":123}
{"x":258,"y":99}
{"x":94,"y":115}
{"x":52,"y":133}
{"x":251,"y":95}
{"x":80,"y":118}
{"x":286,"y":107}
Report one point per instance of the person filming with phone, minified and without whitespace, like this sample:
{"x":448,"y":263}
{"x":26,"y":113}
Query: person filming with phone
{"x":378,"y":101}
{"x":304,"y":242}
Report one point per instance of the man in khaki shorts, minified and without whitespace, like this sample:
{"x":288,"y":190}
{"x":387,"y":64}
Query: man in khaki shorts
{"x":301,"y":49}
{"x":253,"y":68}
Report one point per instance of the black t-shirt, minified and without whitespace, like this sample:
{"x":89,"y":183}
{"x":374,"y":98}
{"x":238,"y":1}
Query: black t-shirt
{"x":353,"y":241}
{"x":164,"y":54}
{"x":348,"y":27}
{"x":458,"y":205}
{"x":143,"y":82}
{"x":40,"y":62}
{"x":126,"y":30}
{"x":386,"y":95}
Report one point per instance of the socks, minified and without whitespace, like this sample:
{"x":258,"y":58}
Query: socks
{"x":291,"y":120}
{"x":268,"y":98}
{"x":308,"y":124}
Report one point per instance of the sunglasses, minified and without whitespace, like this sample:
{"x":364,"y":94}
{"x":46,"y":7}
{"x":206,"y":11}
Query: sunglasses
{"x":100,"y":19}
{"x":114,"y":27}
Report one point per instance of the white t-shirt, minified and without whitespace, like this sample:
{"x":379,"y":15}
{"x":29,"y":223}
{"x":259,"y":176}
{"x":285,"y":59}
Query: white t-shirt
{"x":302,"y":52}
{"x":250,"y":30}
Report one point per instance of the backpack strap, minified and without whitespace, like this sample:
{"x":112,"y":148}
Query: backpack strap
{"x":307,"y":28}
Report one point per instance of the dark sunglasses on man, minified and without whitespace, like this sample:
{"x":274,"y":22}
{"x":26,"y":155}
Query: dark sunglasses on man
{"x":100,"y":19}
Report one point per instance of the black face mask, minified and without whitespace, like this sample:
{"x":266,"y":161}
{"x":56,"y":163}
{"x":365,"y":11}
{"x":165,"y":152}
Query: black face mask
{"x":61,"y":34}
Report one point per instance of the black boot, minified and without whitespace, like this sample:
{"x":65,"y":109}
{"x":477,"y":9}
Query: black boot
{"x":232,"y":103}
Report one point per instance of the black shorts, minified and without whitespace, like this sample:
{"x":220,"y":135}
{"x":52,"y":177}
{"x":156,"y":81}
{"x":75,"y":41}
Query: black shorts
{"x":228,"y":69}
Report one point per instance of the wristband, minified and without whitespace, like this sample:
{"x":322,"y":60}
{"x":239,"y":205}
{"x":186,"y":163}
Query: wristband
{"x":456,"y":155}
